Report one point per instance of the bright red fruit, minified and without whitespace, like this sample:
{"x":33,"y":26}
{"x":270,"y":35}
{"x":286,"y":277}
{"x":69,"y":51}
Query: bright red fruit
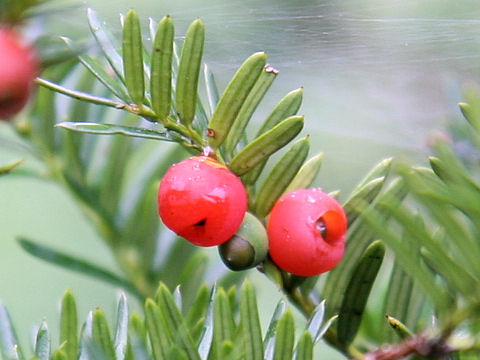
{"x":202,"y":201}
{"x":18,"y":68}
{"x":306,"y":232}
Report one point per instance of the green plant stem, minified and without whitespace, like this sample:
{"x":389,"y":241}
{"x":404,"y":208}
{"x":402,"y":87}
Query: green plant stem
{"x":79,"y":95}
{"x":197,"y":142}
{"x":303,"y":303}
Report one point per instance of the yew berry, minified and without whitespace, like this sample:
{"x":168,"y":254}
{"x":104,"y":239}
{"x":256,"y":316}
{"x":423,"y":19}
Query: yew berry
{"x":18,"y":68}
{"x":306,"y":232}
{"x":202,"y":201}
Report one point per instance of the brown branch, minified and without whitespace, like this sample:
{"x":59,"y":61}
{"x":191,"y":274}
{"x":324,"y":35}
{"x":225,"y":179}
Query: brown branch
{"x":421,"y":345}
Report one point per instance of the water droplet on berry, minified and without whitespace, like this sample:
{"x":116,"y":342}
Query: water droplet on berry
{"x":311,"y":200}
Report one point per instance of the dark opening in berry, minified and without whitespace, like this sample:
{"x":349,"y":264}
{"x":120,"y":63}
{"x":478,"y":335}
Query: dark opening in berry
{"x":322,"y":228}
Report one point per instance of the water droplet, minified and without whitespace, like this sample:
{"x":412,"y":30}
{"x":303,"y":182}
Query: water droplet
{"x":311,"y":199}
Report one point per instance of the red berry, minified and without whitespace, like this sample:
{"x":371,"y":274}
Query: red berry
{"x":306,"y":232}
{"x":18,"y":68}
{"x":202,"y":201}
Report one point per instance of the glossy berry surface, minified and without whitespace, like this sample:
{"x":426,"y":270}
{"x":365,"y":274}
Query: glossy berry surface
{"x":306,"y":231}
{"x":202,"y":201}
{"x":18,"y":69}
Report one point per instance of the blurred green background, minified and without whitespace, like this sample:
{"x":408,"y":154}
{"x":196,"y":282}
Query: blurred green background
{"x":379,"y":77}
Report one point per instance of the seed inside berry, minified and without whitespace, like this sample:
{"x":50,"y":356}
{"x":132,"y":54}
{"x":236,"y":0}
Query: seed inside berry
{"x":322,"y":228}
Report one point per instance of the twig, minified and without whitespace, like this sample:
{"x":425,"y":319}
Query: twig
{"x":79,"y":95}
{"x":418,"y":345}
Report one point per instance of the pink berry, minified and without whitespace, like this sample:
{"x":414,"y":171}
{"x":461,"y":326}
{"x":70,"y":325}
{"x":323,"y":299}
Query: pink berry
{"x":306,"y":231}
{"x":202,"y":201}
{"x":18,"y":68}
